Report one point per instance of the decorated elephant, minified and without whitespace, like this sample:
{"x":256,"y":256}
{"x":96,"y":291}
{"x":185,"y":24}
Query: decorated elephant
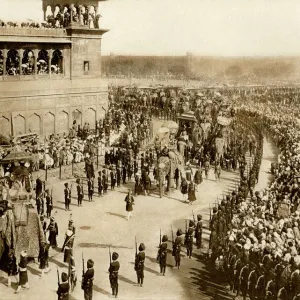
{"x":166,"y":166}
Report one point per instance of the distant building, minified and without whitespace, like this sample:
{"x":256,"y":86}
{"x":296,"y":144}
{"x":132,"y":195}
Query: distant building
{"x":50,"y":73}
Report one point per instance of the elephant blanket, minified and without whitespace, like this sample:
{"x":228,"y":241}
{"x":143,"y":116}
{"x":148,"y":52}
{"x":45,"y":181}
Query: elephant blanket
{"x":21,"y":238}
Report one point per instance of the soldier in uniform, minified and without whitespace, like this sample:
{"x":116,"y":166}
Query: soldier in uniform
{"x":191,"y":193}
{"x":189,"y":239}
{"x":198,"y":178}
{"x":63,"y":288}
{"x":236,"y":273}
{"x":67,"y":193}
{"x":90,"y":189}
{"x":38,"y":204}
{"x":282,"y":294}
{"x":113,"y":274}
{"x":43,"y":258}
{"x":198,"y":231}
{"x":87,"y":280}
{"x":271,"y":290}
{"x":139,"y":264}
{"x":104,"y":182}
{"x":72,"y":266}
{"x":53,"y":232}
{"x":295,"y":279}
{"x":162,"y":255}
{"x":23,"y":276}
{"x":68,"y":245}
{"x":261,"y":285}
{"x":147,"y":184}
{"x":244,"y":275}
{"x":49,"y":203}
{"x":79,"y":192}
{"x":129,"y":204}
{"x":112,"y":179}
{"x":184,"y":189}
{"x":44,"y":223}
{"x":71,"y":226}
{"x":11,"y":266}
{"x":177,"y":248}
{"x":252,"y":280}
{"x":100,"y":184}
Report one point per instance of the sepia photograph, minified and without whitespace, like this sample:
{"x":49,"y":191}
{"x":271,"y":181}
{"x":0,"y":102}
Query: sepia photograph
{"x":150,"y":149}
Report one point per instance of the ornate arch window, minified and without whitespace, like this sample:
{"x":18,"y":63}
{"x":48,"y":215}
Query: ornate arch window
{"x":28,"y":62}
{"x":1,"y":62}
{"x":12,"y":62}
{"x":43,"y":62}
{"x":57,"y":62}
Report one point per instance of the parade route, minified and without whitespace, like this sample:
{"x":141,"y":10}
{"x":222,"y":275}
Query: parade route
{"x":102,"y":224}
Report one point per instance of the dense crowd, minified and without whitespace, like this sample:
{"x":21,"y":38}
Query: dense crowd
{"x":255,"y":237}
{"x":260,"y":254}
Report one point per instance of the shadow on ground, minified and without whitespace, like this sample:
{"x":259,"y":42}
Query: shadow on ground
{"x":208,"y":280}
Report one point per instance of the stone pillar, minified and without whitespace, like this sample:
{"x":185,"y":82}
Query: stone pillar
{"x":50,"y":53}
{"x":63,"y":64}
{"x":35,"y":53}
{"x":21,"y":52}
{"x":4,"y":61}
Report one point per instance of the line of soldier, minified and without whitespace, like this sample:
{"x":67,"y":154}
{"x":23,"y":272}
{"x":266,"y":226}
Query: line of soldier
{"x":67,"y":282}
{"x":254,"y":271}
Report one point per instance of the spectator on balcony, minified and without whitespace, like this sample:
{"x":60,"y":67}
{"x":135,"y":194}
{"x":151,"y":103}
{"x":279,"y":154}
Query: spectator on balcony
{"x":67,"y":18}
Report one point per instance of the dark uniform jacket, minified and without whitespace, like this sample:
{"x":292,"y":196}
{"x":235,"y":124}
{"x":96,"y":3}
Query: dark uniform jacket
{"x":139,"y":261}
{"x":67,"y":192}
{"x":189,"y":235}
{"x":87,"y":280}
{"x":79,"y":190}
{"x":177,"y":245}
{"x":63,"y":291}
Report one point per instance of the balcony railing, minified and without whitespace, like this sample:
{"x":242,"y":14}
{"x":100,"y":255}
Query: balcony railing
{"x":29,"y":31}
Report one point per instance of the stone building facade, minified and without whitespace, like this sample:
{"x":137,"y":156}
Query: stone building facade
{"x":51,"y":75}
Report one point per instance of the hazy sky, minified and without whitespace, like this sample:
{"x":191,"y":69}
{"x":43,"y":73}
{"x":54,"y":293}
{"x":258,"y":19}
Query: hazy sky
{"x":174,"y":27}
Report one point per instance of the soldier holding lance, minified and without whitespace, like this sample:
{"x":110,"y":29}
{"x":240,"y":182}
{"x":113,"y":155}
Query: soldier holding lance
{"x":189,"y":239}
{"x":80,"y":194}
{"x":87,"y":279}
{"x":139,"y":263}
{"x":177,"y":248}
{"x":198,"y":231}
{"x":67,"y":192}
{"x":49,"y":203}
{"x":163,"y":253}
{"x":113,"y":273}
{"x":63,"y":287}
{"x":68,"y":245}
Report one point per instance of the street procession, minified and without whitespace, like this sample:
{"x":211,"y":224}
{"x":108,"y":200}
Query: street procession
{"x":148,"y":177}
